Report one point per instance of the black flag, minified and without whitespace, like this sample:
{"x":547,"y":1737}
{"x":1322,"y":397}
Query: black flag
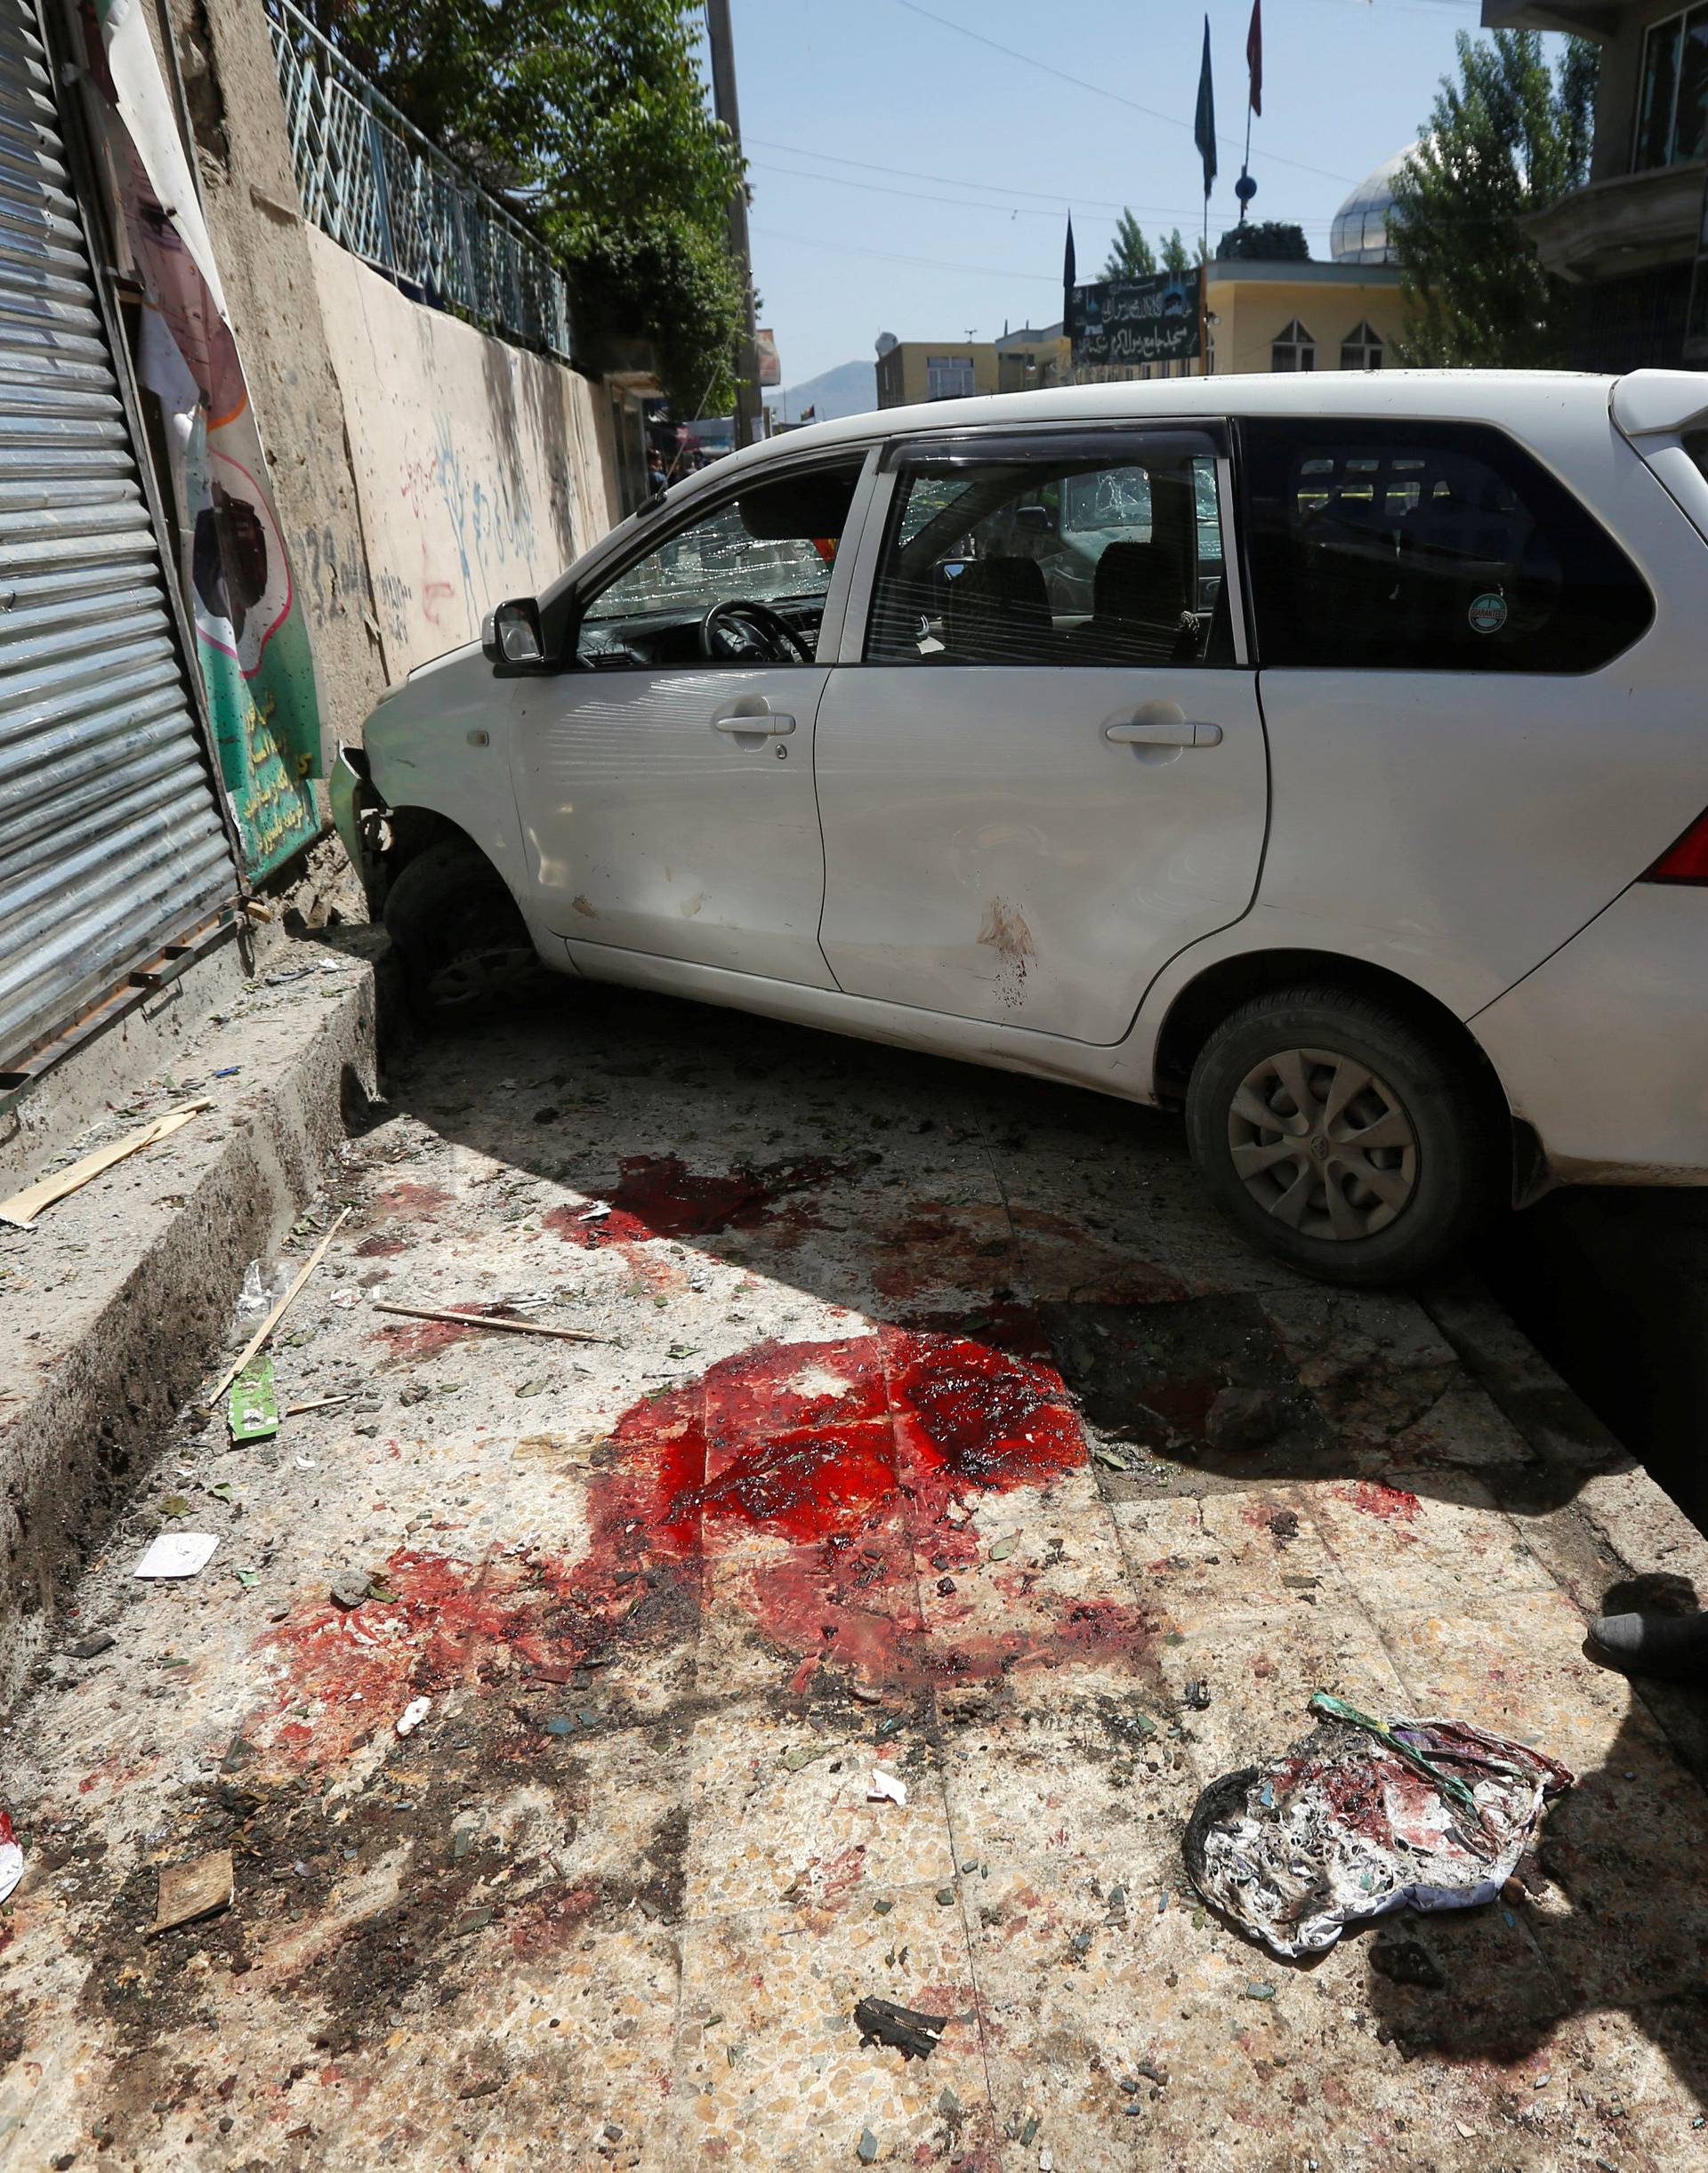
{"x":1068,"y":277}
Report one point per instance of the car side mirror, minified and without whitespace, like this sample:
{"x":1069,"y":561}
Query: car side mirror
{"x":513,"y":639}
{"x":1036,"y":518}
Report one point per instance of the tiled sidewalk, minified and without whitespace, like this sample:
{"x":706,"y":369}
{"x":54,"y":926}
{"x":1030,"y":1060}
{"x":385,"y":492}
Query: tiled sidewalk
{"x":899,"y":1453}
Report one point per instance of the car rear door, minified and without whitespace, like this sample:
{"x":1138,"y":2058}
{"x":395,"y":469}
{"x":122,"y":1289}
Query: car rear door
{"x":1027,"y":810}
{"x":1481,"y":678}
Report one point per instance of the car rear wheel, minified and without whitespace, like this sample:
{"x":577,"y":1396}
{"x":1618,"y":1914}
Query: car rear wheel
{"x":464,"y":946}
{"x":1339,"y":1135}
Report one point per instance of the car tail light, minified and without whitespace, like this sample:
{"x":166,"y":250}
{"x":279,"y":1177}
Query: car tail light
{"x":1687,"y":860}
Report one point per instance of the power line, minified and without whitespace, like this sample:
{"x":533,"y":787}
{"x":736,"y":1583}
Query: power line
{"x":1099,"y":90}
{"x":1004,"y":211}
{"x":890,"y":256}
{"x":1061,"y":200}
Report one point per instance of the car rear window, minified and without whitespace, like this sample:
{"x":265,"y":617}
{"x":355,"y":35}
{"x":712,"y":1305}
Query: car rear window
{"x":1427,"y":547}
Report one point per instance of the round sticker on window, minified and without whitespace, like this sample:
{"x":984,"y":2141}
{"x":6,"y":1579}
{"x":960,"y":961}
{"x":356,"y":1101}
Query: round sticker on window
{"x":1487,"y":613}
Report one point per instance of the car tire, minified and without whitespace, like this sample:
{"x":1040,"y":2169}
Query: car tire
{"x":464,"y":947}
{"x":1390,"y":1168}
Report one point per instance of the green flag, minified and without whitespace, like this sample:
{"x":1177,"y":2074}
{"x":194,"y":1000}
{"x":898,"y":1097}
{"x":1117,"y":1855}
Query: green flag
{"x":1204,"y":126}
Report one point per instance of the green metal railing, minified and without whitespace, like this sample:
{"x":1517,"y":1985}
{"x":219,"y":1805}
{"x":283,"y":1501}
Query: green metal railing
{"x":370,"y":179}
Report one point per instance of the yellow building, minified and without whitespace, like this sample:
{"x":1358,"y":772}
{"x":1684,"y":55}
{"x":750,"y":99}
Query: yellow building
{"x":1303,"y":317}
{"x":914,"y":370}
{"x":1022,"y":361}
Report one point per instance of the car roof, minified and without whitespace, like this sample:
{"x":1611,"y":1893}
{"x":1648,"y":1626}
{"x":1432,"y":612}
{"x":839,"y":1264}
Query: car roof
{"x":1466,"y":395}
{"x":1531,"y":402}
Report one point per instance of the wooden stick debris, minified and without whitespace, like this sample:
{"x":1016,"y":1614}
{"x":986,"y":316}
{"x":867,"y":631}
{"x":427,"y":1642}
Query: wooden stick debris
{"x":277,"y":1313}
{"x":320,"y":1403}
{"x":23,"y":1207}
{"x":491,"y":1320}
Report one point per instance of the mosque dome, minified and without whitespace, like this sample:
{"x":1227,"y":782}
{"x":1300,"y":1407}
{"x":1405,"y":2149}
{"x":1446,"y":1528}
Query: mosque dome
{"x":1360,"y":234}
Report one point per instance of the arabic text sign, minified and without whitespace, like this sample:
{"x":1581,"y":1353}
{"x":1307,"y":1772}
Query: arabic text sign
{"x":1134,"y":320}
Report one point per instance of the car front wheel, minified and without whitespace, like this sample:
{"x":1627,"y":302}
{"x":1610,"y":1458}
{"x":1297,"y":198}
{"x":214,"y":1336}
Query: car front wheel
{"x":1339,"y":1135}
{"x":464,"y":946}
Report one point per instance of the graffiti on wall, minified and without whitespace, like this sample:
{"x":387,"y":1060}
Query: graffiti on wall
{"x":465,"y":454}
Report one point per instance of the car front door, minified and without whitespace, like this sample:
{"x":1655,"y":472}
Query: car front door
{"x":664,"y":778}
{"x":1028,"y":810}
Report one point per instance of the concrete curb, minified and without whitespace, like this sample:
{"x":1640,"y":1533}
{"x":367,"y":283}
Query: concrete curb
{"x":135,"y":1278}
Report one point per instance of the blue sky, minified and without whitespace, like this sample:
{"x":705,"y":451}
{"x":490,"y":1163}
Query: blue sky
{"x":844,"y":100}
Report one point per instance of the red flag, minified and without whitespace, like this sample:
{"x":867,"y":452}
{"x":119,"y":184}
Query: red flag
{"x":1255,"y":55}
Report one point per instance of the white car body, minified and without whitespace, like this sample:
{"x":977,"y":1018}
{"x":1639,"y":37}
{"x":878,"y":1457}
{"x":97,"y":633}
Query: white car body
{"x":960,"y":862}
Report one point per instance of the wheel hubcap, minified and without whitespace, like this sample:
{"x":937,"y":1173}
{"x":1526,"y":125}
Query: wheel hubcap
{"x":1323,"y":1144}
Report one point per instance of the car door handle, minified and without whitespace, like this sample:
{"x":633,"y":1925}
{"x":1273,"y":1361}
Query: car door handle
{"x":1182,"y":734}
{"x":760,"y":719}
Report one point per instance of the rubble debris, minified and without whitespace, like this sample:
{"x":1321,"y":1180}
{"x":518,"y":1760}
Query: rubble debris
{"x":412,"y":1716}
{"x":188,"y":1891}
{"x":911,"y":2033}
{"x":865,"y":1693}
{"x":319,"y":1403}
{"x":178,"y":1553}
{"x":22,"y":1210}
{"x":867,"y":2149}
{"x":1243,"y":1419}
{"x":885,"y":1788}
{"x":11,"y":1855}
{"x":259,"y":1338}
{"x":1196,"y":1695}
{"x":1360,"y":1818}
{"x":492,"y":1320}
{"x":1285,"y":1524}
{"x":251,"y":1409}
{"x":92,"y":1647}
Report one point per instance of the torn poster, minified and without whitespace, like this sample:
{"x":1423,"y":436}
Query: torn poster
{"x":1361,"y":1817}
{"x":252,"y":638}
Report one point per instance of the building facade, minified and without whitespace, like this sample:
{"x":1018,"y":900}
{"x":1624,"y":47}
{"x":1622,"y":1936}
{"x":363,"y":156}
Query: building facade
{"x":1628,"y":239}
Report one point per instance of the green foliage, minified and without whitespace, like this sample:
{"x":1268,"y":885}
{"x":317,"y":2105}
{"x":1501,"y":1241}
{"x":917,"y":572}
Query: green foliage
{"x":1267,"y":241}
{"x":1508,"y":138}
{"x":1132,"y":256}
{"x":1178,"y":260}
{"x":590,"y":113}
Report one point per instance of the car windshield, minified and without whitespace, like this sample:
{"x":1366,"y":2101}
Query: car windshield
{"x":717,"y":559}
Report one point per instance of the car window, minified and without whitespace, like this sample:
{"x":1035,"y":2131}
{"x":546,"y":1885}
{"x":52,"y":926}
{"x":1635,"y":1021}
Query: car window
{"x":1427,"y":547}
{"x":776,"y":544}
{"x":1050,"y":558}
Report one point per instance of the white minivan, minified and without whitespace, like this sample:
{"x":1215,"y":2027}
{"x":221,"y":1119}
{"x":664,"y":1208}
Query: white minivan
{"x":1326,"y":755}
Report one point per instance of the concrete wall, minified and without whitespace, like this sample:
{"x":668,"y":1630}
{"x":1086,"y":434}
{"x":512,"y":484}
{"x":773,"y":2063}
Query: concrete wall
{"x":481,"y":469}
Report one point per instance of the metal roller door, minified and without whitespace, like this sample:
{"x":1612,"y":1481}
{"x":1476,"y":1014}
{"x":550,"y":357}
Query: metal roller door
{"x":110,"y":837}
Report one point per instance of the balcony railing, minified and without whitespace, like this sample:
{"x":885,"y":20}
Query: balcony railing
{"x":370,"y":179}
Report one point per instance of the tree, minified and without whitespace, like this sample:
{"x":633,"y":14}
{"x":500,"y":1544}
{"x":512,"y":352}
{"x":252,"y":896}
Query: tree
{"x":591,"y":115}
{"x":1266,"y":241}
{"x":1132,"y":256}
{"x":1508,"y":138}
{"x":1177,"y":258}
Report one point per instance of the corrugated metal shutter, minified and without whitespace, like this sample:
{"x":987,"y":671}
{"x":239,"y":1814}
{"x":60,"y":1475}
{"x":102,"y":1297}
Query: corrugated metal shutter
{"x":110,"y":838}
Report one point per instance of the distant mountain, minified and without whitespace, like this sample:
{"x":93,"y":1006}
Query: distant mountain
{"x":850,"y":389}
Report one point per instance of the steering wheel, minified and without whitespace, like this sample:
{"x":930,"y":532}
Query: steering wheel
{"x":768,"y":636}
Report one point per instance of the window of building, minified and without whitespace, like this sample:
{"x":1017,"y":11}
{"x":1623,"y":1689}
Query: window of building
{"x":1672,"y":92}
{"x":1294,"y":350}
{"x":1427,"y":547}
{"x":1064,"y":557}
{"x":949,"y":377}
{"x":1361,"y":350}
